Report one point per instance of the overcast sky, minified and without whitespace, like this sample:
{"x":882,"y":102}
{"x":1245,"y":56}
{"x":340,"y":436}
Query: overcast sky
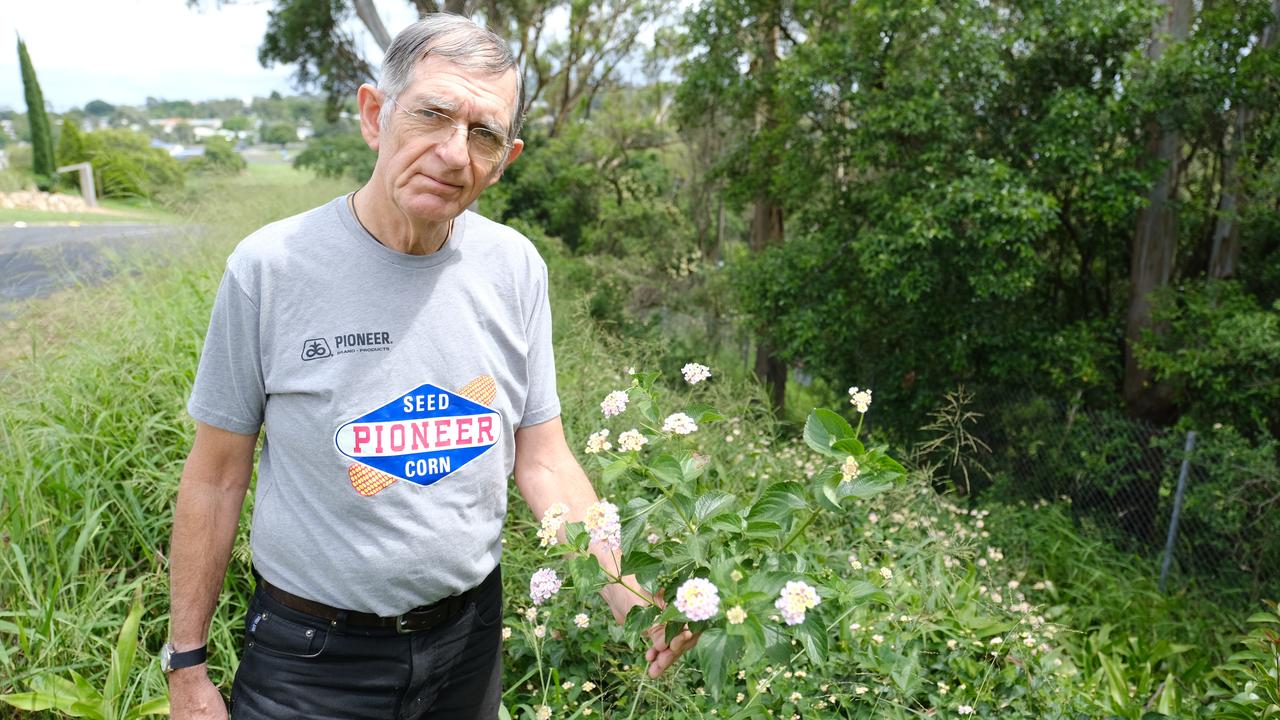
{"x":122,"y":51}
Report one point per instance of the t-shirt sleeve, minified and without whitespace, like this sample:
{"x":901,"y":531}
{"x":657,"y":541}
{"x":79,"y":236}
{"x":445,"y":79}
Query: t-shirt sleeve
{"x":229,"y":391}
{"x":542,"y":403}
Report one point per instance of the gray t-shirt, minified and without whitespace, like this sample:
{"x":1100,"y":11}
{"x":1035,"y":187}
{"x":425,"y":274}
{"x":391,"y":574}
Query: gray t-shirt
{"x":390,"y":387}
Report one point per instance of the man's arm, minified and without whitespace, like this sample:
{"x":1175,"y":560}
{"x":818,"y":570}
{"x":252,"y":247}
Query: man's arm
{"x":547,"y":473}
{"x":210,"y":497}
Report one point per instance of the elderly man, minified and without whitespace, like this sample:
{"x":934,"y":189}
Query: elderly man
{"x":397,"y":350}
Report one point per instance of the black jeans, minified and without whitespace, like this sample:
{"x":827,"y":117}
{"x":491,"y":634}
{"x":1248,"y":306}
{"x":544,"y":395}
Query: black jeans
{"x":296,"y":665}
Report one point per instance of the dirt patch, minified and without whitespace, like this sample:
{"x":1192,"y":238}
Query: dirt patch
{"x":46,"y":202}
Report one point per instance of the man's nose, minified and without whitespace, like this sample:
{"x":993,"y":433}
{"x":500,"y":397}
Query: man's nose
{"x":453,"y":149}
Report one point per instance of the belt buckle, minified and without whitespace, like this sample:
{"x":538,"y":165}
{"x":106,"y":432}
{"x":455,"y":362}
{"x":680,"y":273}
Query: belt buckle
{"x":418,"y":620}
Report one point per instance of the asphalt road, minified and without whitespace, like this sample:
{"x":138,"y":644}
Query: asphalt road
{"x":36,"y":261}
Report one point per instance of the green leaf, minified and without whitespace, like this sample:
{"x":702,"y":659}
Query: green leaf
{"x":577,"y":537}
{"x":711,"y":504}
{"x":703,"y":413}
{"x":642,"y":564}
{"x":823,"y":429}
{"x":667,"y":470}
{"x":615,"y":468}
{"x":29,"y":700}
{"x":849,"y":446}
{"x":715,"y":652}
{"x":154,"y":706}
{"x":778,"y":503}
{"x":122,"y":658}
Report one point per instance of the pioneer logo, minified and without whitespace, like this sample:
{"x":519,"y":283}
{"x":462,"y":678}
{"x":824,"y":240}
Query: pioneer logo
{"x":346,"y":343}
{"x":316,"y":348}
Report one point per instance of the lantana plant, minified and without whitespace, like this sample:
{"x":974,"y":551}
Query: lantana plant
{"x":730,"y":563}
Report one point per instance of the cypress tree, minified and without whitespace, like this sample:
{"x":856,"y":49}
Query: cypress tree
{"x":41,"y":134}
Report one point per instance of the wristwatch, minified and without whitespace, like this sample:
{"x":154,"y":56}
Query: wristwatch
{"x":170,"y":660}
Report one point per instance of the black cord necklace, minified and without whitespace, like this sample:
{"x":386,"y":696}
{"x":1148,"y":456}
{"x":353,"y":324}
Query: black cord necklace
{"x":351,"y":203}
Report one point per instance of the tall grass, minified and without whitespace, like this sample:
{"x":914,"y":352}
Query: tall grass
{"x":93,"y":434}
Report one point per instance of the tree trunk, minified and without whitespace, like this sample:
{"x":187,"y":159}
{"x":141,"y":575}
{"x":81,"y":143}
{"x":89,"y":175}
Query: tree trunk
{"x":1155,"y":241}
{"x":1226,"y":231}
{"x":766,"y":224}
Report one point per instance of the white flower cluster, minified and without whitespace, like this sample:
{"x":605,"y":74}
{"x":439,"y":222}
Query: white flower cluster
{"x":632,"y":440}
{"x":552,"y":520}
{"x":698,"y":599}
{"x":581,"y":620}
{"x":543,"y":585}
{"x":695,"y":373}
{"x":603,"y":523}
{"x":849,"y":470}
{"x":679,"y":423}
{"x":735,"y":615}
{"x":599,"y":442}
{"x":795,"y":599}
{"x":860,"y":399}
{"x":614,"y":403}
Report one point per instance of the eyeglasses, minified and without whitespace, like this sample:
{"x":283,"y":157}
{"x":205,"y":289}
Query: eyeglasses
{"x":485,"y":145}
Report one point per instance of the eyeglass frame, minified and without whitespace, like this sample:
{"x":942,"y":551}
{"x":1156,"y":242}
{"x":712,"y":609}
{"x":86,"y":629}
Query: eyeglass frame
{"x":506,"y":144}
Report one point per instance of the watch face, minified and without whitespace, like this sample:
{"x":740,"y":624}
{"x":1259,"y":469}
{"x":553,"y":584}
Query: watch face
{"x":166,"y":656}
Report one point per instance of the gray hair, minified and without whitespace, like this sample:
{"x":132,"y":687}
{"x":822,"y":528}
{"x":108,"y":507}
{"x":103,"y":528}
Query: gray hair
{"x":463,"y":42}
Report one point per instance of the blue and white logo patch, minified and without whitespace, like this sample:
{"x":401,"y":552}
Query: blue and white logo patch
{"x":421,"y":436}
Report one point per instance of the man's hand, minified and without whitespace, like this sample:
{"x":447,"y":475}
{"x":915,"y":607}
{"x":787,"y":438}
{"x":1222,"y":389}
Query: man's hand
{"x":193,"y":696}
{"x":662,"y":654}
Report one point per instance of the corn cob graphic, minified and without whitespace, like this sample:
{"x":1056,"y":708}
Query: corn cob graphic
{"x":369,"y":481}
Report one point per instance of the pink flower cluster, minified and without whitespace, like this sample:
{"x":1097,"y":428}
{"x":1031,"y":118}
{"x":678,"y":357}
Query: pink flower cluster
{"x":603,"y":523}
{"x":698,"y":599}
{"x":543,"y":585}
{"x":796,"y":598}
{"x":614,"y":403}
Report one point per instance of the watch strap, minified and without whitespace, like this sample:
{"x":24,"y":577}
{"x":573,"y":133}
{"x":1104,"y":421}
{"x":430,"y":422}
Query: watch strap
{"x":186,"y":658}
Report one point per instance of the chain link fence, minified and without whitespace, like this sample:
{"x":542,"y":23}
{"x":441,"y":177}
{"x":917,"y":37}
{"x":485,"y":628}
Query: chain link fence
{"x":1122,"y":475}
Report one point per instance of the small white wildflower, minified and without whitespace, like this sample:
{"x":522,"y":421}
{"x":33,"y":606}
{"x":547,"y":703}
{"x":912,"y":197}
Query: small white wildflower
{"x":581,"y":620}
{"x":965,"y":710}
{"x":849,"y":470}
{"x":598,"y":442}
{"x":695,"y":373}
{"x":632,"y":440}
{"x":735,"y":615}
{"x":854,"y":562}
{"x":588,"y":686}
{"x":886,"y":573}
{"x":877,"y":638}
{"x":603,"y":524}
{"x":531,"y":614}
{"x":861,"y":690}
{"x":943,"y":688}
{"x":860,"y":399}
{"x":794,"y":599}
{"x":542,"y":712}
{"x":552,"y":520}
{"x":506,"y":633}
{"x":540,"y":631}
{"x":679,"y":423}
{"x":735,"y":575}
{"x":653,"y":539}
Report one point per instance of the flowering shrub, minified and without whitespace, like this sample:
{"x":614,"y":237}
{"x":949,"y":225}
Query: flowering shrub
{"x":717,"y":547}
{"x":826,"y":582}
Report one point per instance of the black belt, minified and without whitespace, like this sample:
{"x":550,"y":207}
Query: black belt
{"x":417,"y":619}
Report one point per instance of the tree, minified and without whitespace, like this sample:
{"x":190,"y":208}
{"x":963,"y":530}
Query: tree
{"x":1155,"y":241}
{"x":280,"y":133}
{"x":70,"y":144}
{"x":42,"y":157}
{"x":99,"y":108}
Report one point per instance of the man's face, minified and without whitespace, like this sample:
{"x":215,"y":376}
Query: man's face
{"x":434,"y":177}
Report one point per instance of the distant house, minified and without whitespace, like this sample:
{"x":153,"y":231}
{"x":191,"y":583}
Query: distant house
{"x":180,"y":152}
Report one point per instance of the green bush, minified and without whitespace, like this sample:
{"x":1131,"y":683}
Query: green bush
{"x":336,"y":155}
{"x":220,"y":158}
{"x":125,"y":165}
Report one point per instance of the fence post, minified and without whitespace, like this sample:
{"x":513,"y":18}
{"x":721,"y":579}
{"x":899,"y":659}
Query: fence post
{"x":1177,"y":509}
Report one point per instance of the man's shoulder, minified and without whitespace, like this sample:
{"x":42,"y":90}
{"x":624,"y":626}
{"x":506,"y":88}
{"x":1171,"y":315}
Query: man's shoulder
{"x":275,"y":237}
{"x":502,"y":241}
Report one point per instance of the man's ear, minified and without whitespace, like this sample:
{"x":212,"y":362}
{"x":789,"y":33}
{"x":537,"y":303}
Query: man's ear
{"x":370,"y":99}
{"x":517,"y":146}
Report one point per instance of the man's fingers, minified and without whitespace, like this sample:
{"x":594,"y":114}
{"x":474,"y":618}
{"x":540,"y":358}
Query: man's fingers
{"x":658,"y":635}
